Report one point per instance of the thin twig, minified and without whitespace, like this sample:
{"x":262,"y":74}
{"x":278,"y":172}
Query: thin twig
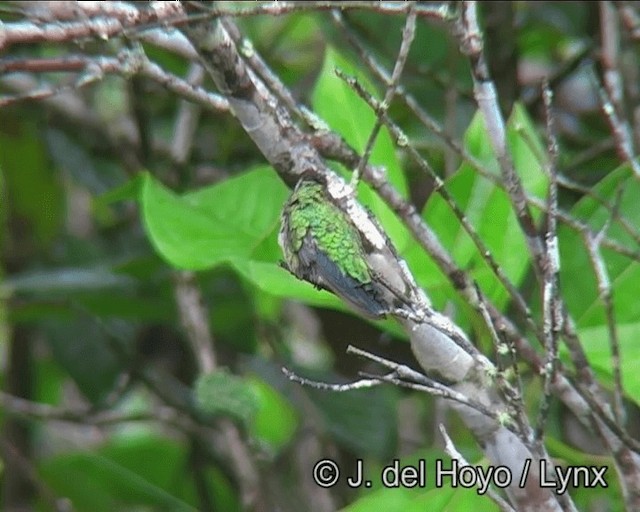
{"x":458,"y":149}
{"x":619,"y":128}
{"x":471,"y":43}
{"x":551,"y":301}
{"x":605,"y":291}
{"x":85,"y":416}
{"x":453,"y":452}
{"x":610,"y":53}
{"x":576,"y":350}
{"x":401,"y":375}
{"x":439,"y":186}
{"x":630,"y":18}
{"x":326,"y":386}
{"x":94,"y":68}
{"x":612,"y":209}
{"x":17,"y":462}
{"x":195,"y":320}
{"x":408,"y":34}
{"x":513,"y":396}
{"x":186,"y":121}
{"x":104,"y":20}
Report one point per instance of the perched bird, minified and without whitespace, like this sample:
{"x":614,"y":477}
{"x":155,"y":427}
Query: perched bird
{"x":322,"y":246}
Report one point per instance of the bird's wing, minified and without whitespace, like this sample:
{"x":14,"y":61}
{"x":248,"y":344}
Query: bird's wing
{"x":320,"y":270}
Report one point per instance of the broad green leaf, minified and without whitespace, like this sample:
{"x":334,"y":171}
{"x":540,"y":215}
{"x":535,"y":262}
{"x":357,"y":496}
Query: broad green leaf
{"x":390,"y":500}
{"x":348,"y":115}
{"x":445,"y":499}
{"x":595,"y":341}
{"x":266,"y":414}
{"x":251,"y":202}
{"x":136,"y":472}
{"x":577,"y":277}
{"x":220,"y":223}
{"x":130,"y":189}
{"x":81,"y":347}
{"x":222,"y":393}
{"x":276,"y":420}
{"x":528,"y":152}
{"x":579,"y":284}
{"x":187,"y":235}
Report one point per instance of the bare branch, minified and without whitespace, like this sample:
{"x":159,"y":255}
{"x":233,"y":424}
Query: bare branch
{"x":620,"y":129}
{"x":92,"y":69}
{"x":452,"y":451}
{"x":606,"y":295}
{"x":551,"y":300}
{"x":407,"y":38}
{"x":430,"y":243}
{"x":471,"y":43}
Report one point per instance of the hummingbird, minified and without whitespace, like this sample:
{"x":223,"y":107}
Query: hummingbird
{"x":321,"y":245}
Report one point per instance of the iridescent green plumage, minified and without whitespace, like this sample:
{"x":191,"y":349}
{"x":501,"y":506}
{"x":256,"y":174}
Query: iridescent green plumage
{"x":322,"y":246}
{"x":332,"y":232}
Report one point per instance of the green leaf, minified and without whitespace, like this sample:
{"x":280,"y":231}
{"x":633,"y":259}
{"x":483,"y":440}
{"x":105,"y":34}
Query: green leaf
{"x":445,"y":499}
{"x":595,"y":341}
{"x":251,"y":202}
{"x":137,"y":471}
{"x":81,"y":347}
{"x":270,"y":419}
{"x":220,"y":223}
{"x":390,"y":500}
{"x":276,"y":420}
{"x":187,"y":235}
{"x":130,"y":189}
{"x":528,"y":153}
{"x":577,"y":277}
{"x":223,"y":393}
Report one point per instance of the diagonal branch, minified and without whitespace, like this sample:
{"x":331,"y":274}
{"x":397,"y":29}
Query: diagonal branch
{"x":435,"y":340}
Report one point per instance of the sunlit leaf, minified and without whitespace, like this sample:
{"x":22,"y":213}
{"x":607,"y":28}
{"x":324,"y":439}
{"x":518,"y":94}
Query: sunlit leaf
{"x":215,"y":224}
